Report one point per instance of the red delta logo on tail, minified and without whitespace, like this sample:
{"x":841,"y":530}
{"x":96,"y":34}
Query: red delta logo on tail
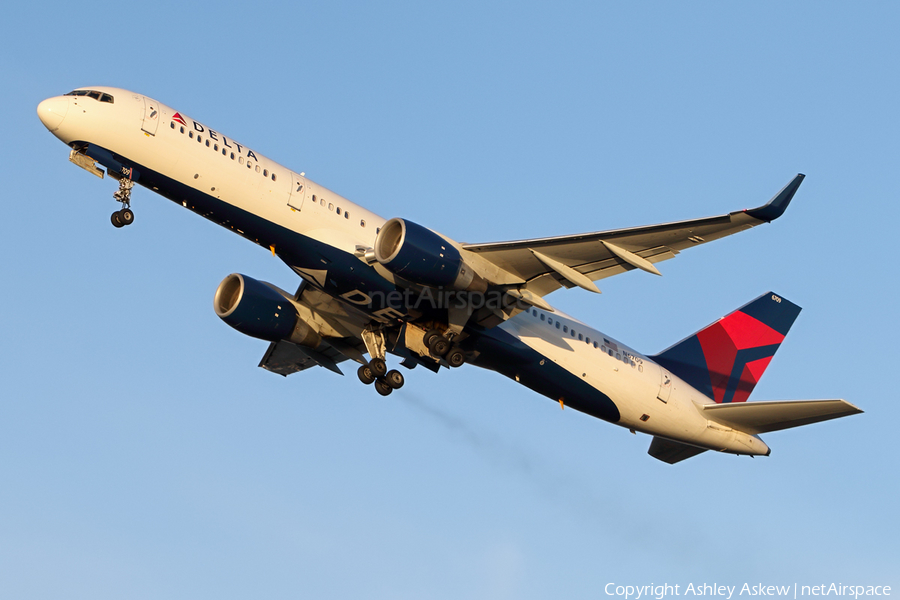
{"x":725,"y":360}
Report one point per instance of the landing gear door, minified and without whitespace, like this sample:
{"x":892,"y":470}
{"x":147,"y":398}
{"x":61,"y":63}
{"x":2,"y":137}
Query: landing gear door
{"x":665,"y":385}
{"x":298,"y":191}
{"x":151,"y":116}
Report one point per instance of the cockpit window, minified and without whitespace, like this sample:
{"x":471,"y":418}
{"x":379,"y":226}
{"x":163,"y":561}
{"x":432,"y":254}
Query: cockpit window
{"x":92,"y":94}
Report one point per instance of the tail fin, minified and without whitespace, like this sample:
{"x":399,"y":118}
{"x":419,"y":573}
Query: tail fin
{"x":725,"y":360}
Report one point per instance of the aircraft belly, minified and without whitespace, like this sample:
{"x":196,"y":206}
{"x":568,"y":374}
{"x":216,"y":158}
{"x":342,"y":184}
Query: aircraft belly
{"x":500,"y":351}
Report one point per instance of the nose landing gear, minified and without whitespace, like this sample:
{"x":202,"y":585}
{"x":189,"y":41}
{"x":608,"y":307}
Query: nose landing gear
{"x":125,"y":216}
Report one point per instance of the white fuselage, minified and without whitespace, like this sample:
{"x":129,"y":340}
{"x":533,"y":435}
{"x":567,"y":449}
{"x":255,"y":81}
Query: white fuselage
{"x":178,"y":153}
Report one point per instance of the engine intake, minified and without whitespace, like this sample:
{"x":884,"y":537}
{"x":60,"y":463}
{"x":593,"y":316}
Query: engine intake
{"x":257,"y":309}
{"x":420,"y":255}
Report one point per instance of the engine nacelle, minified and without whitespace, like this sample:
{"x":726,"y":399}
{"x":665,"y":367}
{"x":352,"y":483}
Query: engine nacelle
{"x":258,"y":310}
{"x":420,"y":255}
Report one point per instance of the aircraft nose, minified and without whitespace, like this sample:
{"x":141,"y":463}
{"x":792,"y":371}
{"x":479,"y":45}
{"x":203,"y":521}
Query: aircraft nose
{"x":52,"y":111}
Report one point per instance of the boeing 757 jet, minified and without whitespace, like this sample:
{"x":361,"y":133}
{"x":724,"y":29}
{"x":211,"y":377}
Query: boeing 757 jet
{"x":375,"y":289}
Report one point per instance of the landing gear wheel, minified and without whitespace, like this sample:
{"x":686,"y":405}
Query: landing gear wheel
{"x":383,"y":387}
{"x":126,"y":216}
{"x":378,"y":366}
{"x":430,"y":335}
{"x":365,"y":374}
{"x":456,"y":358}
{"x":394,"y":379}
{"x":116,"y":219}
{"x":439,"y":346}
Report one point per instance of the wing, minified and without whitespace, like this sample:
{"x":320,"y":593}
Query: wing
{"x":342,"y":343}
{"x":547,"y":264}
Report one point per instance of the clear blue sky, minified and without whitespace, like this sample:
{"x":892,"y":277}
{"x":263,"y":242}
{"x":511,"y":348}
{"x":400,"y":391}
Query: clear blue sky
{"x":144,"y":455}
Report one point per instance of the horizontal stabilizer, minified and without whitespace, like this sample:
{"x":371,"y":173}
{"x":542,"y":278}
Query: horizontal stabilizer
{"x":762,"y":417}
{"x":672,"y":452}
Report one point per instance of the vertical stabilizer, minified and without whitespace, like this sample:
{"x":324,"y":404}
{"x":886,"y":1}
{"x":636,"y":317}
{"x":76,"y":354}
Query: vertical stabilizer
{"x":725,"y":360}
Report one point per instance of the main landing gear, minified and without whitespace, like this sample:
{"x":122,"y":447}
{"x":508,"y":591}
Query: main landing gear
{"x":377,"y":372}
{"x":442,"y":348}
{"x":125,"y":216}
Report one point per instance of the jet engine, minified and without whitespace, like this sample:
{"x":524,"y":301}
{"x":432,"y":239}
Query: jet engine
{"x":421,"y":256}
{"x":260,"y":310}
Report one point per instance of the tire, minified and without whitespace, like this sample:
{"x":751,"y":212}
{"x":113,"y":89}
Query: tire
{"x":365,"y":374}
{"x":378,"y":366}
{"x":456,"y":358}
{"x":394,"y":379}
{"x":439,"y":346}
{"x":116,"y":219}
{"x":126,"y":215}
{"x":430,"y":335}
{"x":383,"y":387}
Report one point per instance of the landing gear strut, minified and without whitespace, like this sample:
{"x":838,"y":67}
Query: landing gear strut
{"x":123,"y":217}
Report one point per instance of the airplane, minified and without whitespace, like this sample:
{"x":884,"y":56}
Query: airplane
{"x":379,"y":287}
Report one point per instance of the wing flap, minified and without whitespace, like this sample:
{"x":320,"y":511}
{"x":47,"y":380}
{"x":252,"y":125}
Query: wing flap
{"x":763,"y":417}
{"x":286,"y":358}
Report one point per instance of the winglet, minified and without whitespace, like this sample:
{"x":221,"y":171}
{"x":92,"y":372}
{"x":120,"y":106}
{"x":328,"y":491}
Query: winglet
{"x":775,"y":207}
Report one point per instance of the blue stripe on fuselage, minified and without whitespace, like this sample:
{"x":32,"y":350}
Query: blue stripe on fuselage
{"x":500,"y":351}
{"x":345,"y":272}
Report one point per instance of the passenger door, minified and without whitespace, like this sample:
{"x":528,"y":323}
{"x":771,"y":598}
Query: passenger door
{"x":151,"y":116}
{"x":298,"y":191}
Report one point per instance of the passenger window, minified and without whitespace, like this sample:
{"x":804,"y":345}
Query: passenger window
{"x":543,"y":316}
{"x":557,"y":324}
{"x":610,"y":352}
{"x":273,"y":176}
{"x":346,"y":215}
{"x":199,"y":139}
{"x":265,"y":172}
{"x":573,"y":333}
{"x":339,"y":211}
{"x":191,"y":134}
{"x":565,"y":329}
{"x":240,"y":160}
{"x":595,"y":344}
{"x":579,"y":337}
{"x":172,"y":124}
{"x":216,"y":147}
{"x":314,"y":196}
{"x":182,"y":129}
{"x":207,"y":143}
{"x":322,"y":202}
{"x":232,"y":156}
{"x":330,"y":206}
